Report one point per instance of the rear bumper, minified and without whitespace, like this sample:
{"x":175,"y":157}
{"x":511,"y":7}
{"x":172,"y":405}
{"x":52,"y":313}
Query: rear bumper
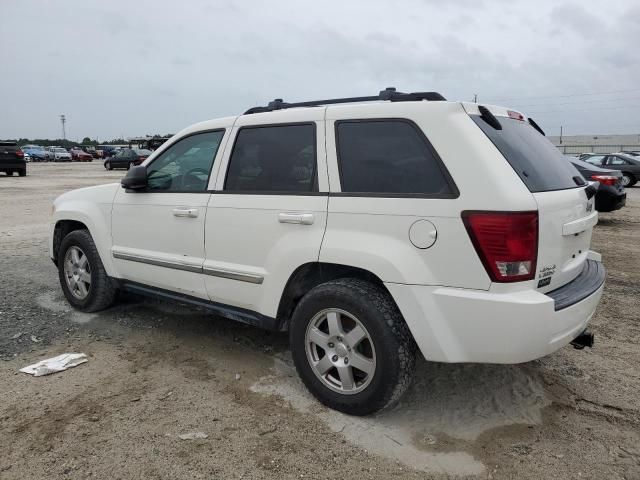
{"x":12,"y":165}
{"x":458,"y":325}
{"x":609,"y":200}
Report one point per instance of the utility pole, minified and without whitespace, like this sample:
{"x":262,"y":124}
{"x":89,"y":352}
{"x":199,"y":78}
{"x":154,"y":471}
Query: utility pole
{"x":475,"y":98}
{"x":63,"y":120}
{"x":560,"y":134}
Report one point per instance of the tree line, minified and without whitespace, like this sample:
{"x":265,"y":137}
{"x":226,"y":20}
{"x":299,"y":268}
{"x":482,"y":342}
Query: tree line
{"x":47,"y":142}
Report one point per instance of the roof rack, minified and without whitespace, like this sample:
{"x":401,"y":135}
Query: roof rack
{"x":389,"y":94}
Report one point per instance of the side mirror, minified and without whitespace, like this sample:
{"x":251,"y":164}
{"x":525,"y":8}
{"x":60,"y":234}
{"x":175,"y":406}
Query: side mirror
{"x":135,"y":179}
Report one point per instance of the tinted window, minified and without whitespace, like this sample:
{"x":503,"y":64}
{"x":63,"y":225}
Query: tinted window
{"x":537,"y":162}
{"x":617,"y":161}
{"x":273,"y":159}
{"x":185,"y":166}
{"x":594,"y":159}
{"x":388,"y":156}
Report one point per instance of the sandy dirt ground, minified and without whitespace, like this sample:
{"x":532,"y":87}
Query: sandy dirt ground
{"x":158,"y":370}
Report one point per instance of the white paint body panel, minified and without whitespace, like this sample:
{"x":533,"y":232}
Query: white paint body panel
{"x":244,"y":233}
{"x":452,"y":308}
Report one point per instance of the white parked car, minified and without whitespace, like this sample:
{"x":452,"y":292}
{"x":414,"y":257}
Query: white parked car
{"x":59,"y":154}
{"x":365,"y":227}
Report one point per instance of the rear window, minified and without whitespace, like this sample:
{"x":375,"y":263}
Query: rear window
{"x":537,"y":162}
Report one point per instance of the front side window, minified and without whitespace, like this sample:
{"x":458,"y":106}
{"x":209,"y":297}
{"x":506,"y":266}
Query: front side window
{"x":186,"y":165}
{"x":278,"y":158}
{"x":388,"y":157}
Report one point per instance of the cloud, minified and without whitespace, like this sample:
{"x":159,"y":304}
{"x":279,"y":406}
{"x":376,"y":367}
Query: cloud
{"x":130,"y":68}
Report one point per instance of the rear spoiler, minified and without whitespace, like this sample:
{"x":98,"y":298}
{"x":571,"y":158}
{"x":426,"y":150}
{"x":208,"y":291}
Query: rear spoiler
{"x":492,"y":113}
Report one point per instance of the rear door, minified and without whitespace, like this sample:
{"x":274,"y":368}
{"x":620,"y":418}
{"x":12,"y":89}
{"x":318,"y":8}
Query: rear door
{"x":268,"y":213}
{"x":566,"y":215}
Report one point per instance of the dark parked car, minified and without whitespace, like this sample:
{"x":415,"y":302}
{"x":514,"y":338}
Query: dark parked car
{"x":12,"y":159}
{"x":107,"y":150}
{"x":611,"y":195}
{"x":127,"y":157}
{"x":628,"y":165}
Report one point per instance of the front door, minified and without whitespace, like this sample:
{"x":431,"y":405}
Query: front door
{"x":158,"y":233}
{"x":268,"y":214}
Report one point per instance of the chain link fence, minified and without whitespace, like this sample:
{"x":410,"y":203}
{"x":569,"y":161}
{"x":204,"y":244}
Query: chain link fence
{"x":569,"y":149}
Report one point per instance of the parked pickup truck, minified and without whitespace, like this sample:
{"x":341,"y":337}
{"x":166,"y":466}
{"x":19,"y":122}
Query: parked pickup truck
{"x":368,"y":228}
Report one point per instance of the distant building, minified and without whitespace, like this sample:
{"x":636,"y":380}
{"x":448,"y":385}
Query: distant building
{"x":596,"y":143}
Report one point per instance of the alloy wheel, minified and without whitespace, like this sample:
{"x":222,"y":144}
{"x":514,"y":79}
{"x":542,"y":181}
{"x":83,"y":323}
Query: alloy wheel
{"x":77,"y":272}
{"x":340,"y":351}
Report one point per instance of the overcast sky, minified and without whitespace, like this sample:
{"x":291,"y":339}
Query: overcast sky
{"x":126,"y":68}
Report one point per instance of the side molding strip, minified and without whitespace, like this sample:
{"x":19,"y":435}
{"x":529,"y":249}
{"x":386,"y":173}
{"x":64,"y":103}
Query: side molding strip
{"x":243,"y":277}
{"x":157,"y":263}
{"x":215,"y":272}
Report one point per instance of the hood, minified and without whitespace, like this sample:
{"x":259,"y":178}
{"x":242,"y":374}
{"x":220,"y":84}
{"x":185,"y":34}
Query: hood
{"x":97,"y":194}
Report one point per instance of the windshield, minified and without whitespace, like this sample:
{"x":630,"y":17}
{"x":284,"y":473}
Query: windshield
{"x":539,"y":164}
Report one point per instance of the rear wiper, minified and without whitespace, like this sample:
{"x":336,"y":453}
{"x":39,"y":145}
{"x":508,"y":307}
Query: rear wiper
{"x":489,"y":117}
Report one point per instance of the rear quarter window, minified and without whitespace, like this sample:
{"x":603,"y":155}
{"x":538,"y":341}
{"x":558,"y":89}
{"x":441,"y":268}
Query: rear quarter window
{"x":389,"y":157}
{"x":539,"y":164}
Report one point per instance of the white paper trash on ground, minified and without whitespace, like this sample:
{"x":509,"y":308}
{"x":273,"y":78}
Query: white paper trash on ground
{"x":55,"y":364}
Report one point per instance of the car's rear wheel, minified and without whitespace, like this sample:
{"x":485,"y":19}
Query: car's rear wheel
{"x":22,"y":172}
{"x":83,"y":278}
{"x":9,"y":173}
{"x":351,"y":346}
{"x":108,"y":166}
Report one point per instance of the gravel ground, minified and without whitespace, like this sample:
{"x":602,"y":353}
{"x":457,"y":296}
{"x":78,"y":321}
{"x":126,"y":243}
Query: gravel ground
{"x":158,"y":370}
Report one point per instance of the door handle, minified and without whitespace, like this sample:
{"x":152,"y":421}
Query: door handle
{"x":185,"y":212}
{"x":299,"y":218}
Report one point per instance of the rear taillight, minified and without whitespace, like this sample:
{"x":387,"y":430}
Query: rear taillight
{"x":605,"y":179}
{"x":507,"y":243}
{"x":19,"y":153}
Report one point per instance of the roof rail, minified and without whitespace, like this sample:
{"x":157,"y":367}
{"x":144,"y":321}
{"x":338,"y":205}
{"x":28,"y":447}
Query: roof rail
{"x":389,"y":94}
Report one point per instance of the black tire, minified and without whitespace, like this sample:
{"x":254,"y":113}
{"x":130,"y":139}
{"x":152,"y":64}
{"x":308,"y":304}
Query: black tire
{"x":628,"y":180}
{"x":22,"y":172}
{"x":394,"y":346}
{"x":9,"y":173}
{"x":108,"y":166}
{"x":102,"y":291}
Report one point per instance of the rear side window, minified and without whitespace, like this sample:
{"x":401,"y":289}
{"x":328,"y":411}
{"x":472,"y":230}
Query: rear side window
{"x":537,"y":162}
{"x":274,"y":159}
{"x":389,"y":157}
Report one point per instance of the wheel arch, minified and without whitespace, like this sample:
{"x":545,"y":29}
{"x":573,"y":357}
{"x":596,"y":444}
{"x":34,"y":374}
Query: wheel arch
{"x":61,"y":229}
{"x":97,"y":226}
{"x":311,"y":274}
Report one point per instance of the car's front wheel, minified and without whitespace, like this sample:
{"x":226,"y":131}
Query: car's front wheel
{"x":84,"y":281}
{"x":351,"y":346}
{"x":108,"y":166}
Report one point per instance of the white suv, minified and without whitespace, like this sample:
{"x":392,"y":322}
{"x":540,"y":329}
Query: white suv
{"x":365,"y":227}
